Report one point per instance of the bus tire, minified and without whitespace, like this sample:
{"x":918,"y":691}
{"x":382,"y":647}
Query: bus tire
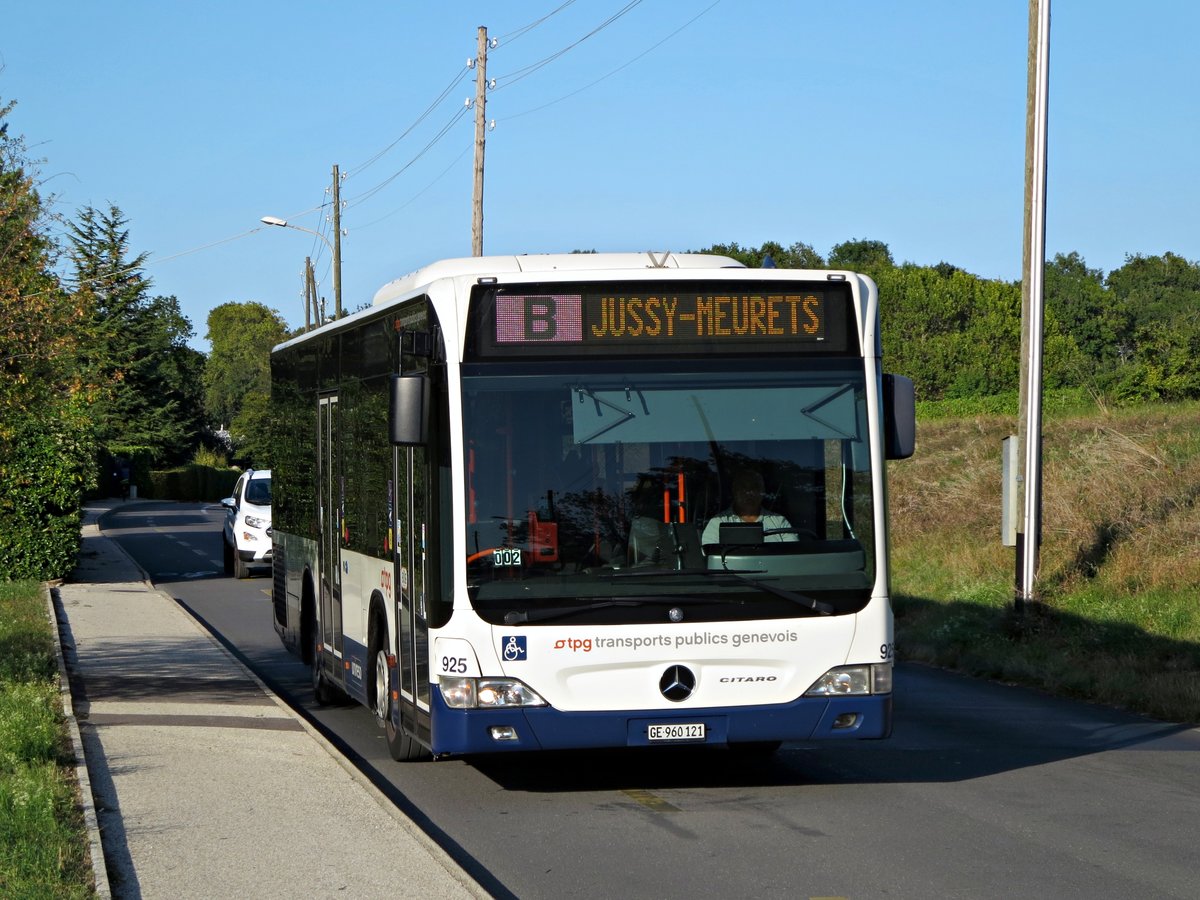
{"x":308,"y":624}
{"x":323,"y":692}
{"x":402,"y":747}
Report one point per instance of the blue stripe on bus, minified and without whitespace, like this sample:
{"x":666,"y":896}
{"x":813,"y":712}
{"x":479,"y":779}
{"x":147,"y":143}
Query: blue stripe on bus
{"x":355,"y":683}
{"x":460,"y":731}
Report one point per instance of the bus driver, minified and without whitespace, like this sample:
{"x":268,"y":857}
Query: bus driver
{"x":747,"y":507}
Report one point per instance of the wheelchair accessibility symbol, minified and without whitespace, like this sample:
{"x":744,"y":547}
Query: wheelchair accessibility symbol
{"x":514,"y":648}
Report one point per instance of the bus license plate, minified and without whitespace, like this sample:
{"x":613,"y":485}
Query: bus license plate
{"x":682,"y":731}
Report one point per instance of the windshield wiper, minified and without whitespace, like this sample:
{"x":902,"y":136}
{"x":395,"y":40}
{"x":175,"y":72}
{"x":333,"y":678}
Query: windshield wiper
{"x":516,"y":617}
{"x":819,"y":606}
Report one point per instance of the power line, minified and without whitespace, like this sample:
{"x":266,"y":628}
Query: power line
{"x":507,"y":38}
{"x":502,"y":81}
{"x":524,"y":30}
{"x":590,"y":84}
{"x":421,"y":118}
{"x":418,"y":194}
{"x":454,"y":82}
{"x":145,"y":264}
{"x":371,"y":192}
{"x":513,"y":77}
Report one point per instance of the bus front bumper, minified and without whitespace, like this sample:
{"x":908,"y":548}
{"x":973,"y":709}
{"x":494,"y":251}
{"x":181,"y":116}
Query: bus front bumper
{"x":469,"y":731}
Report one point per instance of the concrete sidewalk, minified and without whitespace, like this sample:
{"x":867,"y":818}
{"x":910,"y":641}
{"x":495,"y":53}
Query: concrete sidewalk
{"x":205,"y":784}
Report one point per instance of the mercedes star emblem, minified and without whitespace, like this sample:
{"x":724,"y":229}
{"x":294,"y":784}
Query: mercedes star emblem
{"x":677,"y":683}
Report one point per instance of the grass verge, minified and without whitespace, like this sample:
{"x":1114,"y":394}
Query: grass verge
{"x":1117,"y":619}
{"x":42,"y":836}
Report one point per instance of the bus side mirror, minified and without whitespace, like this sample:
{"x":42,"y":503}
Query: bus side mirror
{"x":408,"y":409}
{"x":899,"y":417}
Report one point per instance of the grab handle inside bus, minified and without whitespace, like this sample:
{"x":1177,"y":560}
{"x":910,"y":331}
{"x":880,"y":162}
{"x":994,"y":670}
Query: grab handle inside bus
{"x":408,"y":411}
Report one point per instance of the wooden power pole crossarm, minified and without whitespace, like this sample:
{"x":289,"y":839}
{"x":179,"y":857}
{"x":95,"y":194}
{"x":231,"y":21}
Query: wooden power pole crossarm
{"x":480,"y":129}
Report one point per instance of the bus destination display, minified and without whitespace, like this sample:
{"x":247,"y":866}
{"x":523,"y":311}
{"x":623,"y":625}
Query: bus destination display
{"x":669,"y":320}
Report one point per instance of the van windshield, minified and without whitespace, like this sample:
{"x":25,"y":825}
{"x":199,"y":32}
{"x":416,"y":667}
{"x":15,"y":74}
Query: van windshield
{"x":258,"y":491}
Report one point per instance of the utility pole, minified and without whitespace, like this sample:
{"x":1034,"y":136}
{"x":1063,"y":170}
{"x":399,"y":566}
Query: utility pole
{"x":308,"y":294}
{"x":480,"y":127}
{"x":1029,"y":475}
{"x":337,"y":244}
{"x":318,"y":303}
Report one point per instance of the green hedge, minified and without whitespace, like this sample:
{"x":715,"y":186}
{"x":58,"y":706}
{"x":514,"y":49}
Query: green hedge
{"x":192,"y":483}
{"x":46,"y":463}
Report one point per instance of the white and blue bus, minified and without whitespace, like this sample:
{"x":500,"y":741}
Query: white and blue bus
{"x":593,"y":500}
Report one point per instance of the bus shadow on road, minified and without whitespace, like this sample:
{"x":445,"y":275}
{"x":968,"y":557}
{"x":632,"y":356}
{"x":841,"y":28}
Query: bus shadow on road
{"x":948,"y":728}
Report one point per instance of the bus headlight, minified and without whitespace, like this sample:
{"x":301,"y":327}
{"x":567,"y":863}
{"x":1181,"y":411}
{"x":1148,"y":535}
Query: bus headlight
{"x":487,"y":693}
{"x":849,"y":681}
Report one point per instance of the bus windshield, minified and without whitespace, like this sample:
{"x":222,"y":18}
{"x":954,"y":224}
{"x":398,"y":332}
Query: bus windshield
{"x":714,"y":489}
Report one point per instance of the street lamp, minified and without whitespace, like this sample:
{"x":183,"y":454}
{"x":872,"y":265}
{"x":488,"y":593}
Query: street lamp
{"x":337,"y":263}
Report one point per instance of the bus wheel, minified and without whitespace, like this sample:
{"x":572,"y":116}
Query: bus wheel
{"x":383,"y":686}
{"x":323,"y":692}
{"x":308,"y":626}
{"x":401,"y":746}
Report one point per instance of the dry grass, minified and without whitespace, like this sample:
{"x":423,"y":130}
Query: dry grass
{"x":1117,"y":618}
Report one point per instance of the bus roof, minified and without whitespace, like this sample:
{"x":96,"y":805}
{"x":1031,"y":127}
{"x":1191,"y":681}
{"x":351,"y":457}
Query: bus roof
{"x":481,"y":266}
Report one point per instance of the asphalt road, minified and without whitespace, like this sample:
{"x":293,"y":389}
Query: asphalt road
{"x":983,"y":791}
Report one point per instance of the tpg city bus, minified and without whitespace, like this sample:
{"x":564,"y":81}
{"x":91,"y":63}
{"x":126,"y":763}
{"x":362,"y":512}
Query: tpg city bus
{"x":507,"y":512}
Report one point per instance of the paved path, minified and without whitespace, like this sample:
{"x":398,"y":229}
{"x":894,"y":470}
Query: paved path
{"x":205,"y":784}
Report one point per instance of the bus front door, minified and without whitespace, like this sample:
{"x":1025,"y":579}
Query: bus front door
{"x":412,"y":632}
{"x":330,"y":506}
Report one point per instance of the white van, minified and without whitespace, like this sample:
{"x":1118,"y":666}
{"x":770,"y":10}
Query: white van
{"x":246,"y":534}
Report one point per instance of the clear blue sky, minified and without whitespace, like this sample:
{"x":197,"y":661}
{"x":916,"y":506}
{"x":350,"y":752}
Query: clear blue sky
{"x":786,"y":120}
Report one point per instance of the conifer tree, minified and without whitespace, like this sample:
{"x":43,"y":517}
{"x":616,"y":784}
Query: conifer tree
{"x":137,"y":345}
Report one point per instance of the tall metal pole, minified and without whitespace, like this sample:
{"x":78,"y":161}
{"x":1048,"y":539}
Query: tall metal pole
{"x":337,"y":244}
{"x":480,"y":122}
{"x":1029,"y":538}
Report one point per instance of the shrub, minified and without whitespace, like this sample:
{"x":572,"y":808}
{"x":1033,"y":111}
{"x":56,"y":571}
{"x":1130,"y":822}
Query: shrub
{"x":192,"y":483}
{"x":46,"y":464}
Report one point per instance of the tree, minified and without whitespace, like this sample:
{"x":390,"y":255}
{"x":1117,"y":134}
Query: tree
{"x":1153,"y":289}
{"x":237,"y":376}
{"x":1159,"y":298}
{"x":46,"y":443}
{"x":797,"y":256}
{"x":860,"y":255}
{"x":137,"y":345}
{"x":1078,"y":301}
